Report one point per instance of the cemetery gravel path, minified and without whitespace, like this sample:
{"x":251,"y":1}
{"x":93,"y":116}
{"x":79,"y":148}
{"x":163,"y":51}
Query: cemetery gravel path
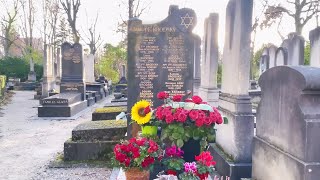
{"x":28,"y":144}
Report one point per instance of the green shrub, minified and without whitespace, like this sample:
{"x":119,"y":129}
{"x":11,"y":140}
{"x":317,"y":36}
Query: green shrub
{"x":18,"y":68}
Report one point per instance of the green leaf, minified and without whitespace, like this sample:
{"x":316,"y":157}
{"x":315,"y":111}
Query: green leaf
{"x":176,"y":136}
{"x":179,"y":143}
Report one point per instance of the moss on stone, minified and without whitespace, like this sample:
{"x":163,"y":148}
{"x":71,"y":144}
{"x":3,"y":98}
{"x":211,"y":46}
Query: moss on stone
{"x":111,"y":109}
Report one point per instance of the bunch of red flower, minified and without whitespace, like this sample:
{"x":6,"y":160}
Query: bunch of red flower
{"x":205,"y":165}
{"x":126,"y":152}
{"x":199,"y":117}
{"x":205,"y":159}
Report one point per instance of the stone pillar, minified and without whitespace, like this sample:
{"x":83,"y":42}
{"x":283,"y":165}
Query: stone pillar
{"x":32,"y":74}
{"x":314,"y":38}
{"x":233,"y":147}
{"x":88,"y":61}
{"x":197,"y":65}
{"x":48,"y":71}
{"x":210,"y":56}
{"x":123,"y":71}
{"x":286,"y":145}
{"x":58,"y":70}
{"x":294,"y":45}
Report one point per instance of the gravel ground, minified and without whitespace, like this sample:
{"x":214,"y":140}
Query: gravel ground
{"x":28,"y":143}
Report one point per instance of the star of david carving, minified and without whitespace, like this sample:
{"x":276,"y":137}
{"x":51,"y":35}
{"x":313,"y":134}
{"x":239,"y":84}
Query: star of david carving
{"x":187,"y":21}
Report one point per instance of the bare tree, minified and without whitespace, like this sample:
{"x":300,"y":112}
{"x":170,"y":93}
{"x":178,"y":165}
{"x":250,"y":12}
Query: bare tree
{"x":93,"y":40}
{"x":71,"y":8}
{"x":8,"y":36}
{"x":302,"y":11}
{"x":28,"y":21}
{"x":135,"y":9}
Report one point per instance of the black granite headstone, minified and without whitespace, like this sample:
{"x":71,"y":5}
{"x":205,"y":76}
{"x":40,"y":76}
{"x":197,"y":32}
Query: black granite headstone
{"x":72,"y":69}
{"x":161,"y":56}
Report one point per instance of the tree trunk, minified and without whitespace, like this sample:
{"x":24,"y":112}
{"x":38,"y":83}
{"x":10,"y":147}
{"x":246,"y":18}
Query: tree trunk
{"x":131,"y":9}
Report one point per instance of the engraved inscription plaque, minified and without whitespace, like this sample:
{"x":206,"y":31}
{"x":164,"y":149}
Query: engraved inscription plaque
{"x":161,"y":56}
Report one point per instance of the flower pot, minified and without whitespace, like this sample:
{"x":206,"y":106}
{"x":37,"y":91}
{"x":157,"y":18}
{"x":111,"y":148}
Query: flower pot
{"x":171,"y":172}
{"x":137,"y":174}
{"x":191,"y":148}
{"x":149,"y":130}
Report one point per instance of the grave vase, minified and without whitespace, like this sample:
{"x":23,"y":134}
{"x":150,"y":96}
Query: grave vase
{"x":191,"y":148}
{"x":137,"y":174}
{"x":149,"y":130}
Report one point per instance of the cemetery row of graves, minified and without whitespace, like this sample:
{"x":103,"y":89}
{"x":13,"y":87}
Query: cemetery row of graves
{"x":264,"y":133}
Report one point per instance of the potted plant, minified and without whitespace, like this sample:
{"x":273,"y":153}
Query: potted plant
{"x":136,"y":157}
{"x":187,"y":124}
{"x":173,"y":160}
{"x":143,"y":115}
{"x":205,"y":165}
{"x":190,"y":169}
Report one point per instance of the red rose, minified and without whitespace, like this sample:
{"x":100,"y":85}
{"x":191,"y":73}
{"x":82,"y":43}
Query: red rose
{"x":127,"y":162}
{"x":147,"y":110}
{"x":201,"y":114}
{"x":207,"y":121}
{"x":219,"y":119}
{"x":159,"y":114}
{"x":162,"y":95}
{"x":140,"y":142}
{"x":194,"y":114}
{"x":196,"y":99}
{"x":121,"y":157}
{"x":177,"y":98}
{"x":169,"y":118}
{"x":153,"y":147}
{"x":147,"y":162}
{"x":199,"y":122}
{"x":182,"y":117}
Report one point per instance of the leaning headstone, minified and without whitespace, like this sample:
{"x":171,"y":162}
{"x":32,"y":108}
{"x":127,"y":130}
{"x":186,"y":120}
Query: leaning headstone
{"x":88,"y":62}
{"x":71,"y":99}
{"x":48,"y":71}
{"x":161,"y":56}
{"x":286,"y":145}
{"x":314,"y":37}
{"x":281,"y":57}
{"x":233,"y":147}
{"x":208,"y":89}
{"x":294,"y":45}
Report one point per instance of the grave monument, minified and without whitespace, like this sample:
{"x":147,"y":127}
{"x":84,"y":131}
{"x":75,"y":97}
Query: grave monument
{"x":72,"y":97}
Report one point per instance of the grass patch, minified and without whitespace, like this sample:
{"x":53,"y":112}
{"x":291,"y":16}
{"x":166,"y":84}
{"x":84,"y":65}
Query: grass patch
{"x":111,"y":109}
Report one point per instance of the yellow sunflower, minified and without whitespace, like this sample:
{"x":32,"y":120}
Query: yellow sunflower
{"x":138,"y":114}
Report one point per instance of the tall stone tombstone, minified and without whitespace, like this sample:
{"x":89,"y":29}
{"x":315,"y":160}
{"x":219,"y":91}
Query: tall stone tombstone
{"x":286,"y":145}
{"x":48,"y":71}
{"x":88,"y":62}
{"x":161,"y":57}
{"x":233,"y":147}
{"x":123,"y":71}
{"x":210,"y":55}
{"x":197,"y":66}
{"x":281,"y":57}
{"x":314,"y":37}
{"x":72,"y":79}
{"x":294,"y":45}
{"x":272,"y":55}
{"x":32,"y":76}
